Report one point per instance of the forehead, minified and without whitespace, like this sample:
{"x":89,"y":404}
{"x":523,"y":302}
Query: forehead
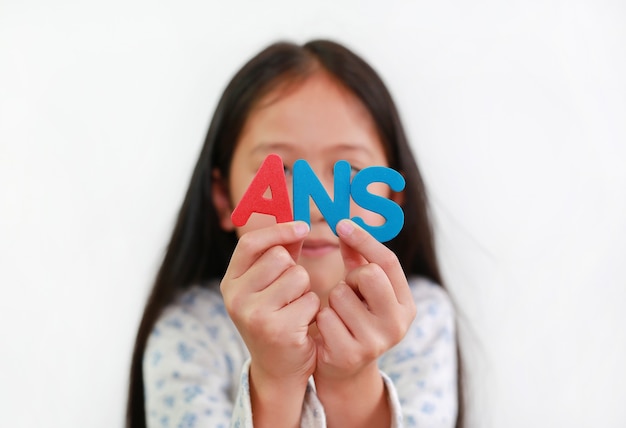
{"x":309,"y":116}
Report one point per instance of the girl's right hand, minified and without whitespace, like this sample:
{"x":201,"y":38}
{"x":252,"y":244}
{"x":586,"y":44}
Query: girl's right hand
{"x":268,"y":298}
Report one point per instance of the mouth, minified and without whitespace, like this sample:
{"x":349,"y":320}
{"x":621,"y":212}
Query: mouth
{"x":318,"y":248}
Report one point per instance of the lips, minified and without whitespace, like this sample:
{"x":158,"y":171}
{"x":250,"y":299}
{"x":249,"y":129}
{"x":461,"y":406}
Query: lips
{"x":318,"y":247}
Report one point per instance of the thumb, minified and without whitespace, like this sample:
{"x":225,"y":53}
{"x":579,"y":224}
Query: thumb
{"x":295,"y":248}
{"x":351,"y":257}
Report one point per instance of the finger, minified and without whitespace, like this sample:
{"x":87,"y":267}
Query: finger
{"x":352,"y":311}
{"x":303,"y":309}
{"x":375,"y":252}
{"x":266,"y":269}
{"x":291,"y":285}
{"x":374,"y":286}
{"x":351,"y":257}
{"x":335,"y":337}
{"x":254,"y":243}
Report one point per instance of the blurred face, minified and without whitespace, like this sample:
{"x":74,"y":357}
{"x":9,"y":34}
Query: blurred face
{"x":321,"y":122}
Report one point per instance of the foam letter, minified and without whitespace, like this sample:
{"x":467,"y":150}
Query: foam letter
{"x":306,"y":184}
{"x":392,"y":212}
{"x":271,"y":174}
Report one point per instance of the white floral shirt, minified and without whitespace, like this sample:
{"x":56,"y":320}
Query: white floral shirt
{"x":195,"y":366}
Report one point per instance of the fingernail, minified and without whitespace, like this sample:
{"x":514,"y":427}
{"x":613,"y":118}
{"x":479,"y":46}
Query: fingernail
{"x":345,"y":227}
{"x":301,"y":228}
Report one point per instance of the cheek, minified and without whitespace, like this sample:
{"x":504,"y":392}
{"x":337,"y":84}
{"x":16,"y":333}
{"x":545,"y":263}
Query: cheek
{"x":369,"y":217}
{"x":238,"y":185}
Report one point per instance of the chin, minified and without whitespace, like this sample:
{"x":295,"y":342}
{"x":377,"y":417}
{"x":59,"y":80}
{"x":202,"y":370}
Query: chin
{"x":324,"y":275}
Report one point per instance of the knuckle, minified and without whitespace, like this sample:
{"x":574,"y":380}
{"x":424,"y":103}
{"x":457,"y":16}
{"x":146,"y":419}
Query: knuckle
{"x":254,"y":318}
{"x":388,"y":260}
{"x":369,"y":352}
{"x":397,"y":330}
{"x":234,"y":304}
{"x":335,"y":294}
{"x":381,"y":344}
{"x":378,"y":344}
{"x":298,"y":274}
{"x":280,"y":256}
{"x":396,"y":335}
{"x":314,"y":300}
{"x":370,"y":273}
{"x":374,"y":271}
{"x":354,"y":360}
{"x":246,"y":244}
{"x":273,"y":334}
{"x":259,"y":323}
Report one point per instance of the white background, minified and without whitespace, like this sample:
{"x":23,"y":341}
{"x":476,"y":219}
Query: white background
{"x":517,"y":113}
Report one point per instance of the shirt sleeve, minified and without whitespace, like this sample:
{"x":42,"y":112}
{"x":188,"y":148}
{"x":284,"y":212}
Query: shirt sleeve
{"x":420,"y":373}
{"x":196,"y":369}
{"x":188,"y":371}
{"x":312,"y":416}
{"x":189,"y":380}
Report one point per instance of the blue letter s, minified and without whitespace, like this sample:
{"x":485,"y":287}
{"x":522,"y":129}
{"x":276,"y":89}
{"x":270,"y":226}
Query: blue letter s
{"x":392,"y":212}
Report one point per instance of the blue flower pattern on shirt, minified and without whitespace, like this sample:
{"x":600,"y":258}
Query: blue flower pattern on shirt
{"x":196,"y":366}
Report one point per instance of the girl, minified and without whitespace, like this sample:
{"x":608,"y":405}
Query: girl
{"x":285,"y":325}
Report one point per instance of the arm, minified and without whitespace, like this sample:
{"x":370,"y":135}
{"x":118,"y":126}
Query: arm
{"x":422,"y":367}
{"x":419,"y":373}
{"x":191,"y":362}
{"x":367,"y":314}
{"x":361,"y":402}
{"x":268,"y":297}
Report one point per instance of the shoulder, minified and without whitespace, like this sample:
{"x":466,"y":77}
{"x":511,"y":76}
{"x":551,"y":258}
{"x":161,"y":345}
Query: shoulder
{"x":192,"y":360}
{"x":197,"y":318}
{"x":422,"y":368}
{"x":430,"y":341}
{"x":201,"y":304}
{"x":436,"y":316}
{"x":431,"y":297}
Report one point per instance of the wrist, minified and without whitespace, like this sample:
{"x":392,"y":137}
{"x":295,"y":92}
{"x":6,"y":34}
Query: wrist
{"x":276,"y":401}
{"x":356,"y":401}
{"x":366,"y":380}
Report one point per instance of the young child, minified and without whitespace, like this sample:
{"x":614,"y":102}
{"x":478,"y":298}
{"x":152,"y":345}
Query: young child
{"x":286,"y":325}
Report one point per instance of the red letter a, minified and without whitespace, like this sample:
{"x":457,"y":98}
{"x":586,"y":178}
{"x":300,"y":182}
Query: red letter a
{"x":272,"y":175}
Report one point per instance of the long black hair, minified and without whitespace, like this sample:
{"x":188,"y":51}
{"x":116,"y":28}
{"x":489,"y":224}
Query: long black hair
{"x":200,"y":249}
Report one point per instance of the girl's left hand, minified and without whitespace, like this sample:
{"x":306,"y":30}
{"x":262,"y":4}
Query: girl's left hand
{"x":368,"y":313}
